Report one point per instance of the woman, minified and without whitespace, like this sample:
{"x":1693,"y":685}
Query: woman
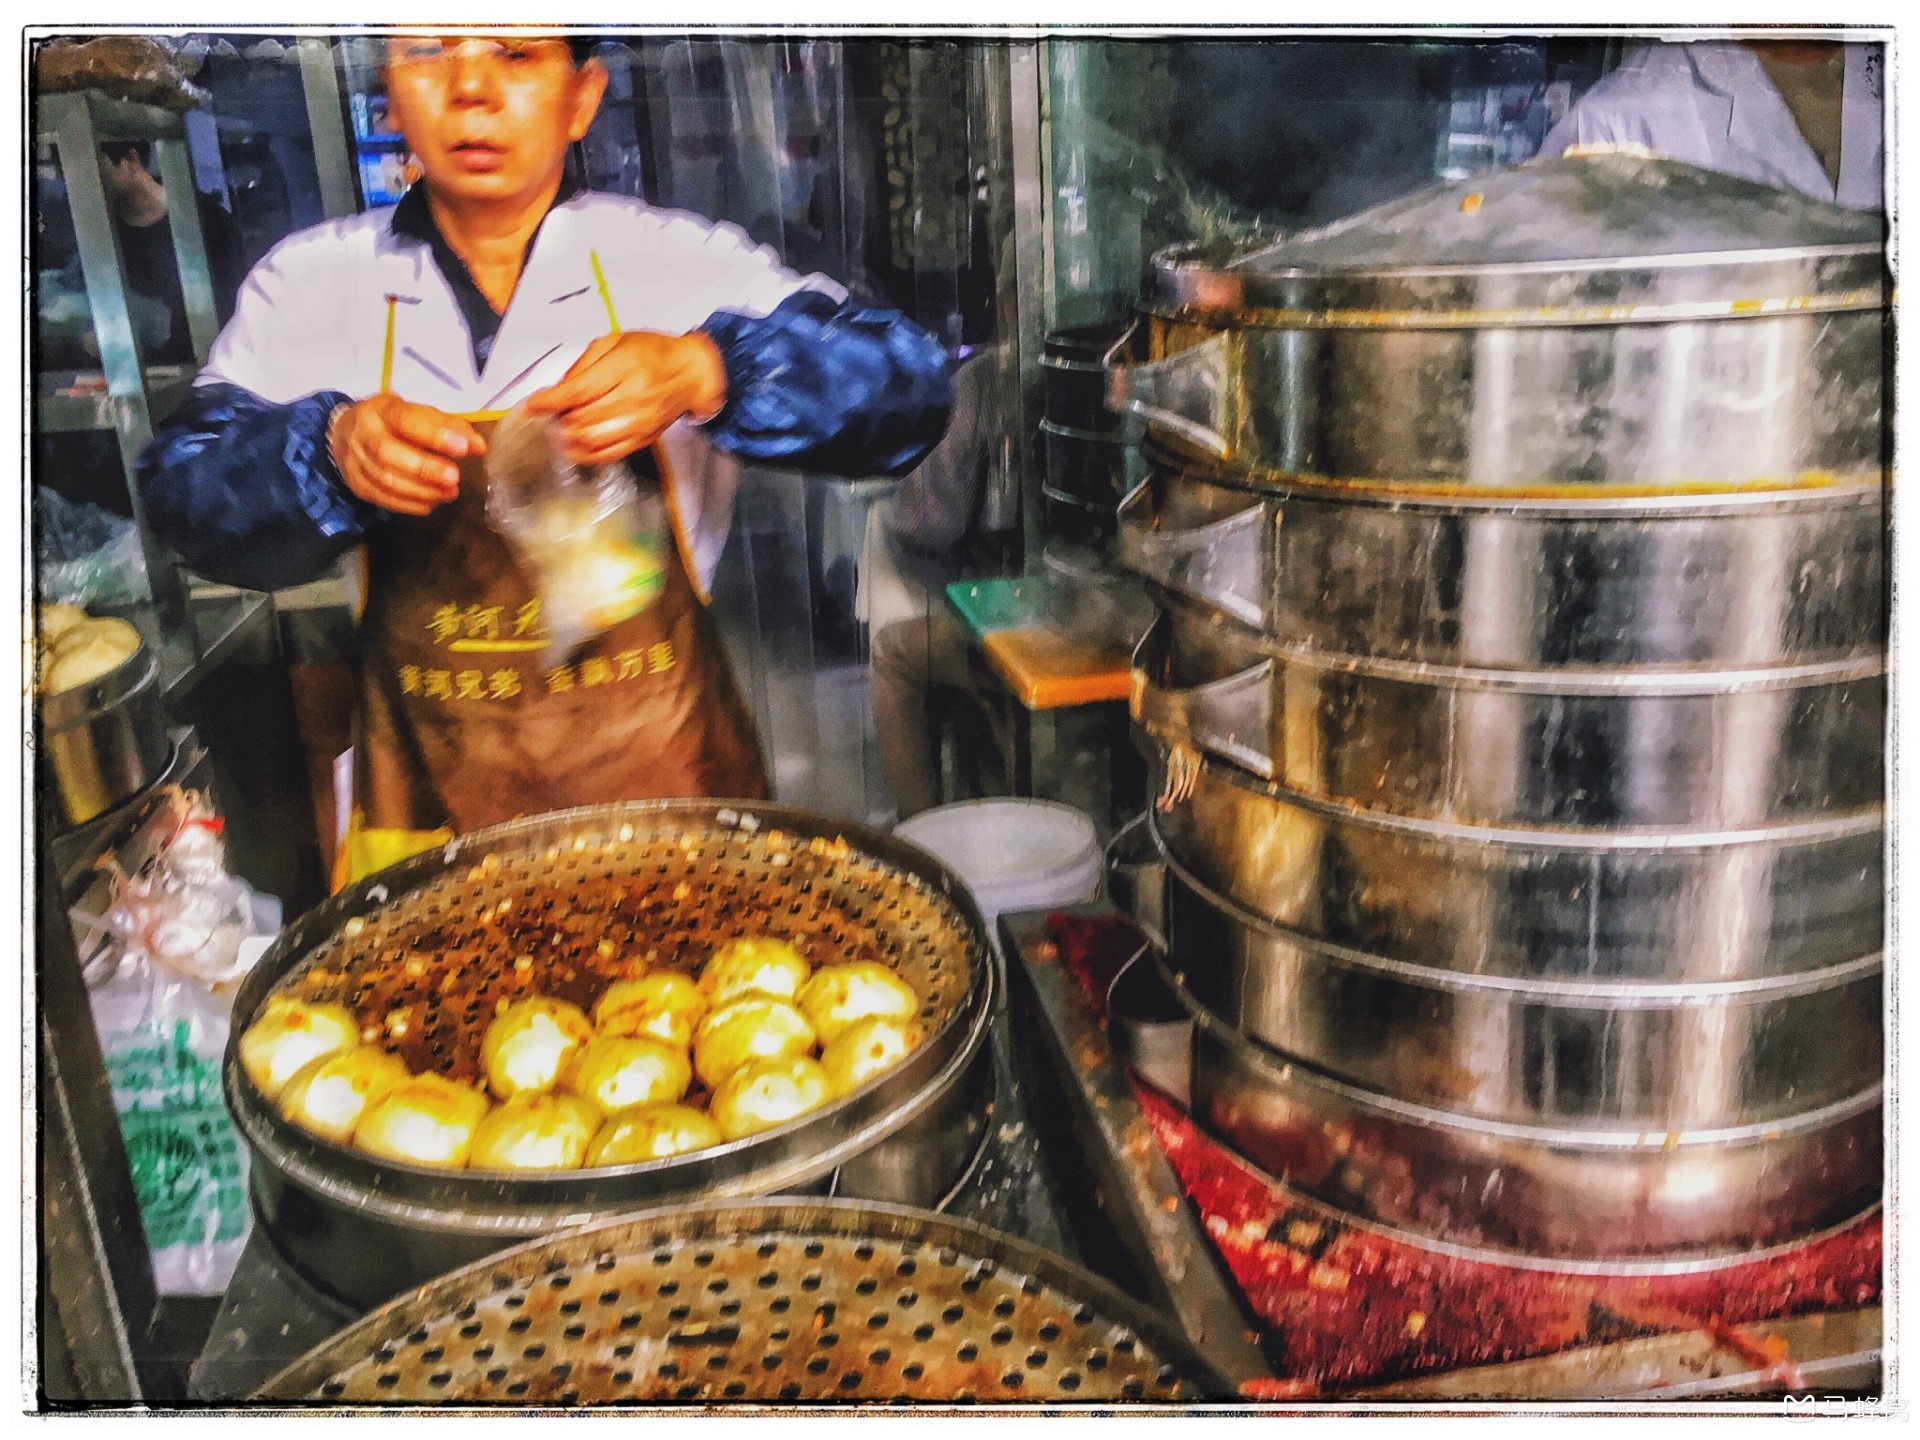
{"x":347,"y":402}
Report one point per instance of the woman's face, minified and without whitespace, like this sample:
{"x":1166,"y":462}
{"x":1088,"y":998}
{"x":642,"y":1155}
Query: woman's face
{"x":489,"y":119}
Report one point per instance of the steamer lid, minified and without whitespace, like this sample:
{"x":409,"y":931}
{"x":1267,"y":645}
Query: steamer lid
{"x":1604,"y":236}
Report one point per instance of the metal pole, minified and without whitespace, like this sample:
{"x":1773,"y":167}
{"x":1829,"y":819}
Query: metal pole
{"x":189,"y":244}
{"x":1033,"y":268}
{"x":320,"y":81}
{"x":68,"y":119}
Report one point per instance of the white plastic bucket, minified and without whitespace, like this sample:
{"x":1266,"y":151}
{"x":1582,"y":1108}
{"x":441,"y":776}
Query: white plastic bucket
{"x":1013,"y":854}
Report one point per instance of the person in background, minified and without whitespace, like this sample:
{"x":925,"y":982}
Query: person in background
{"x":1799,"y":115}
{"x":347,"y":403}
{"x":140,"y":203}
{"x":915,"y":548}
{"x":86,"y":467}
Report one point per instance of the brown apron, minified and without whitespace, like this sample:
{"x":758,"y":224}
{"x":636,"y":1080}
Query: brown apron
{"x":466,"y":719}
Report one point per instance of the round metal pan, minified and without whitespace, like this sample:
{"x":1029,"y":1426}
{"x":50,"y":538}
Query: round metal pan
{"x":777,"y":1303}
{"x":1660,"y":1056}
{"x":1571,"y":747}
{"x":365,"y":1228}
{"x":1572,"y":1193}
{"x":1795,"y":577}
{"x":1659,"y":906}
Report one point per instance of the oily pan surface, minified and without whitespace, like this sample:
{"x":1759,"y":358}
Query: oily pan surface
{"x":426,"y":973}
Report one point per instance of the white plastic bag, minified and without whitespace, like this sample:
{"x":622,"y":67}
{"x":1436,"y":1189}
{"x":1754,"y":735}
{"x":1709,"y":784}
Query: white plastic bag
{"x":593,"y":541}
{"x":163,"y":1038}
{"x":185,"y":932}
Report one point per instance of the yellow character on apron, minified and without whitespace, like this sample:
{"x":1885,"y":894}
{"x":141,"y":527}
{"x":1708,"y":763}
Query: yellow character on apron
{"x":459,"y":726}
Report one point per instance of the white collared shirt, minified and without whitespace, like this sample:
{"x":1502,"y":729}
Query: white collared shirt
{"x":313,"y":316}
{"x":1709,"y":103}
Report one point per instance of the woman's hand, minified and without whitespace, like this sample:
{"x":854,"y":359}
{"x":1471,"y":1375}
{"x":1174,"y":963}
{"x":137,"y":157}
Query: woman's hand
{"x":623,"y":393}
{"x":398,"y":455}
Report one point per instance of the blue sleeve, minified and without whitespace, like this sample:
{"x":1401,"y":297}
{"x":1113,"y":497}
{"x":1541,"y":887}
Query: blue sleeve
{"x":829,"y":385}
{"x":246,"y":492}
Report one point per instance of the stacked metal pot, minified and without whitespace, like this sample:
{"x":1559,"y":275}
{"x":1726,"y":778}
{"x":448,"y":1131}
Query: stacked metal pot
{"x":1518,"y":702}
{"x":1092,"y":455}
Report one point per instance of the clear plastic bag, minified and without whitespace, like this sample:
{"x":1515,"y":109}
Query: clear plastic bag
{"x":87,"y":556}
{"x":594,"y":542}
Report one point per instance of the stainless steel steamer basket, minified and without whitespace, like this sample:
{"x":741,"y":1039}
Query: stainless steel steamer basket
{"x":1654,"y":906}
{"x":1535,"y":1052}
{"x":1576,"y":1193}
{"x":1579,"y":321}
{"x":1718,"y":402}
{"x":778,"y":1303}
{"x":105,"y":741}
{"x":1759,"y":579}
{"x":1569,"y":747}
{"x":365,"y":1229}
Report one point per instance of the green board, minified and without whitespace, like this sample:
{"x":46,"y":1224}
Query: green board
{"x":1013,"y":603}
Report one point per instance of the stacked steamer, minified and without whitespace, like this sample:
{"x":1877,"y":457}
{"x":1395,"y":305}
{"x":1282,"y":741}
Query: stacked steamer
{"x":1091,"y":451}
{"x":1517,"y":704}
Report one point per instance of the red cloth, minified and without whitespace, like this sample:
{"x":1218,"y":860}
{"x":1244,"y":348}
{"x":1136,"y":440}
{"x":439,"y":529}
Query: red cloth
{"x":1350,"y":1307}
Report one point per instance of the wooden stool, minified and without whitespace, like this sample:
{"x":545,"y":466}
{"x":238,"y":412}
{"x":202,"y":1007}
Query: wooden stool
{"x":1069,"y":700}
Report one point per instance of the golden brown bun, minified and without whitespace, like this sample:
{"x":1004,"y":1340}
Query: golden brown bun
{"x":868,"y":1048}
{"x":754,"y":967}
{"x":651,"y":1132}
{"x":290,"y":1035}
{"x":54,"y":619}
{"x":529,"y":1043}
{"x":330,"y":1096}
{"x":767,"y":1093}
{"x":618,"y":1072}
{"x":86,"y":651}
{"x":664,"y":1006}
{"x":843,"y":995}
{"x":752,"y":1028}
{"x":430,"y":1120}
{"x":534,"y":1132}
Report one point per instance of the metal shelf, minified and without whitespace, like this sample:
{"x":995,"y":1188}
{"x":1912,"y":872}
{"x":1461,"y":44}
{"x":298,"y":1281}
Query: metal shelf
{"x":76,"y":123}
{"x":68,"y":402}
{"x":114,"y":118}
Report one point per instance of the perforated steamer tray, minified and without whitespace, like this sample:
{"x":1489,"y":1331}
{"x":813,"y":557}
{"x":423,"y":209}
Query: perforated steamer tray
{"x":784,"y":1303}
{"x":568,"y":917}
{"x":560,"y":905}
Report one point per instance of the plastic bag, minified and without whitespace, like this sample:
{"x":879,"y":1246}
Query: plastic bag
{"x":65,"y":320}
{"x":134,"y":67}
{"x":186,"y":933}
{"x":163,"y":1037}
{"x":87,"y":556}
{"x":594,"y":542}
